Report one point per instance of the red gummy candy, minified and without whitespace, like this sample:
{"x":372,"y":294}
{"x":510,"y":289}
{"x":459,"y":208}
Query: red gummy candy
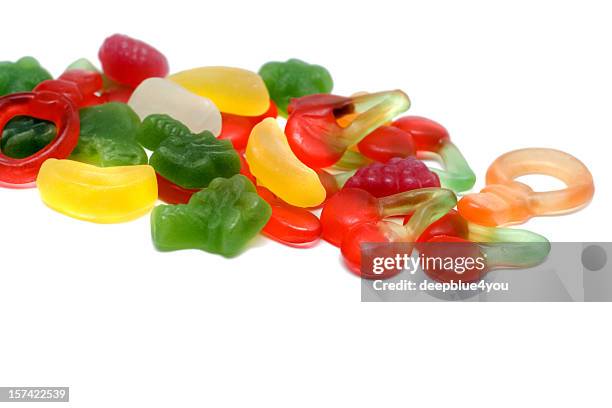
{"x":387,"y":142}
{"x":428,"y":135}
{"x":237,"y":129}
{"x":172,"y":193}
{"x":395,"y":176}
{"x":450,"y":225}
{"x":458,"y":250}
{"x":88,"y":82}
{"x":290,"y":225}
{"x":67,"y":88}
{"x":130,"y":61}
{"x":45,"y":105}
{"x":118,"y":95}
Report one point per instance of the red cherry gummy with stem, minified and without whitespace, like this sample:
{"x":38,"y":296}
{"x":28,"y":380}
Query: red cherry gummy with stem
{"x":387,"y":142}
{"x":45,"y":105}
{"x":427,"y":134}
{"x":458,"y":250}
{"x":290,"y":225}
{"x":395,"y":176}
{"x":450,"y":225}
{"x":130,"y":61}
{"x":237,"y":129}
{"x":172,"y":193}
{"x":316,"y":137}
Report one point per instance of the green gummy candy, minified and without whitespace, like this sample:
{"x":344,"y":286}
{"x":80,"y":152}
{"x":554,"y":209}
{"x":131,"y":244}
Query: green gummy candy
{"x":21,"y":76}
{"x":24,"y":135}
{"x":156,"y":128}
{"x":220,"y":219}
{"x":293,"y":79}
{"x":108,"y":136}
{"x":193,"y":161}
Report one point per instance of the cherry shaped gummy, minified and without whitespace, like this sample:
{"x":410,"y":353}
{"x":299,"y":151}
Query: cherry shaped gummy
{"x":387,"y":142}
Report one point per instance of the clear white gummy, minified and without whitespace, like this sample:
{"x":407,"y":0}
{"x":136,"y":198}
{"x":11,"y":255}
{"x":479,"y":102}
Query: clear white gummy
{"x":158,"y":95}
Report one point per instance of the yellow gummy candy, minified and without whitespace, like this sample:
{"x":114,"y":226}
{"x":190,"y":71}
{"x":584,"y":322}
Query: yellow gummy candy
{"x":97,"y":194}
{"x":276,"y":167}
{"x":233,"y":90}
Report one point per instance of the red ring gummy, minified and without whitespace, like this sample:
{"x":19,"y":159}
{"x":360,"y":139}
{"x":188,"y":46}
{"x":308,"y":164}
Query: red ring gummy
{"x":44,"y":105}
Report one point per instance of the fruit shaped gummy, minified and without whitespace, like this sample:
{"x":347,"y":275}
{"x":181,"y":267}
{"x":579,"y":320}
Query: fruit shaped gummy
{"x":507,"y":201}
{"x":97,"y":194}
{"x":193,"y":161}
{"x":156,"y":128}
{"x":352,"y":206}
{"x":316,"y":137}
{"x":427,"y":204}
{"x":387,"y":142}
{"x":24,"y":135}
{"x":288,"y":224}
{"x":395,"y":176}
{"x":111,"y":90}
{"x":432,"y":142}
{"x":49,"y":106}
{"x":21,"y":76}
{"x":221,"y":219}
{"x":275,"y":166}
{"x":158,"y":95}
{"x":496,"y":248}
{"x":233,"y":90}
{"x":108,"y":136}
{"x":130,"y":61}
{"x":293,"y":79}
{"x":237,"y":129}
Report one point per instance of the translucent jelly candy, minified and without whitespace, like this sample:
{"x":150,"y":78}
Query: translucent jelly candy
{"x":450,"y":225}
{"x":395,"y":176}
{"x":387,"y":142}
{"x":507,"y":201}
{"x":154,"y":129}
{"x":96,"y":194}
{"x":23,"y":136}
{"x":108,"y":136}
{"x":130,"y":61}
{"x":172,"y":193}
{"x":433,"y":142}
{"x":428,"y":205}
{"x":288,"y":224}
{"x":237,"y":129}
{"x":21,"y":76}
{"x":221,"y":219}
{"x":193,"y":161}
{"x":48,"y":106}
{"x":157,"y":95}
{"x":233,"y":90}
{"x":275,"y":166}
{"x":293,"y":79}
{"x":353,"y":206}
{"x":316,"y":137}
{"x":499,"y":248}
{"x":69,"y":89}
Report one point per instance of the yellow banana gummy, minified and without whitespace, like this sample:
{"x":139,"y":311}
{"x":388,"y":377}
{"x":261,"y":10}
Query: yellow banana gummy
{"x":233,"y":90}
{"x":276,"y":167}
{"x":97,"y":194}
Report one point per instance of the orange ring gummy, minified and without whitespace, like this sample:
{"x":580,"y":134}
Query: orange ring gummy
{"x":506,"y":201}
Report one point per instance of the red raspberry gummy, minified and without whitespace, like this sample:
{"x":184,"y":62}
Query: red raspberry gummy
{"x":395,"y":176}
{"x":130,"y":61}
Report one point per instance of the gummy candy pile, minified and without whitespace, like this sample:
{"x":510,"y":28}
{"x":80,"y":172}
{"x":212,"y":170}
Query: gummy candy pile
{"x":105,"y":145}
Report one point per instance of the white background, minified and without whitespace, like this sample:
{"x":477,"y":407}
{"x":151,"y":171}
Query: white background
{"x":96,"y":308}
